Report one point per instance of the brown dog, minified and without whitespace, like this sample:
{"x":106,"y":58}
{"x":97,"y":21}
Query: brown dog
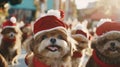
{"x":11,"y":44}
{"x":52,"y":45}
{"x":52,"y":55}
{"x":106,"y":47}
{"x":81,"y":36}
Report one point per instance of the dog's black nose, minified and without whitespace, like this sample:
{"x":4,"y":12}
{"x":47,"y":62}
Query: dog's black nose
{"x":112,"y":44}
{"x":52,"y":40}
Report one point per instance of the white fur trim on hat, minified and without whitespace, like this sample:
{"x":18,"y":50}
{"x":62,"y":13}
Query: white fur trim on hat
{"x":81,"y":27}
{"x":59,"y":27}
{"x":9,"y":27}
{"x":103,"y":21}
{"x":54,"y":13}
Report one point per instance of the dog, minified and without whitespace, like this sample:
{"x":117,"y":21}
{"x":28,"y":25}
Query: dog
{"x":82,"y":44}
{"x":80,"y":34}
{"x":11,"y":44}
{"x":52,"y":44}
{"x":52,"y":48}
{"x":106,"y":46}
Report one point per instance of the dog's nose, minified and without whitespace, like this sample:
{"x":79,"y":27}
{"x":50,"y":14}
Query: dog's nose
{"x":52,"y":40}
{"x":112,"y":44}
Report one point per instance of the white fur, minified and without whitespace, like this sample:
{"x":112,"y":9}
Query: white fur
{"x":86,"y":54}
{"x":58,"y":27}
{"x":59,"y":42}
{"x":103,"y":20}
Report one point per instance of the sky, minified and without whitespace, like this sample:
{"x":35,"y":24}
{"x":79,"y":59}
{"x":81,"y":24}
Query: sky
{"x":82,"y":4}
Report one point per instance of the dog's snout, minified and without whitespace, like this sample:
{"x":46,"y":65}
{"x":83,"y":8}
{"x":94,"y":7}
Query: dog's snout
{"x":52,"y":40}
{"x":11,"y":35}
{"x":112,"y":44}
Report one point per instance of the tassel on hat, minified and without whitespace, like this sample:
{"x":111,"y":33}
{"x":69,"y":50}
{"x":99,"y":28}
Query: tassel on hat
{"x":9,"y":23}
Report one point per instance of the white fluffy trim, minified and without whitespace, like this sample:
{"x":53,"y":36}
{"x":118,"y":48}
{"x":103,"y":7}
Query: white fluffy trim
{"x":103,"y":21}
{"x":13,"y":19}
{"x":43,"y":31}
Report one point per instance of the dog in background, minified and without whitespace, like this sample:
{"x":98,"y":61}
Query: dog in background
{"x":52,"y":45}
{"x":106,"y":46}
{"x":10,"y":46}
{"x":27,"y":31}
{"x":81,"y":35}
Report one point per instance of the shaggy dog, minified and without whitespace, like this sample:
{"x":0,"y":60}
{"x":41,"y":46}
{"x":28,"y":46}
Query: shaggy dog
{"x":11,"y":44}
{"x":82,"y":43}
{"x":106,"y":47}
{"x":52,"y":45}
{"x":53,"y":49}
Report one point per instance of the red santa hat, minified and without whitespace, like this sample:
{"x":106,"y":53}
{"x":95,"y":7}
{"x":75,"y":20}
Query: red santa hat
{"x":108,"y":26}
{"x":9,"y":23}
{"x":81,"y":30}
{"x":50,"y":21}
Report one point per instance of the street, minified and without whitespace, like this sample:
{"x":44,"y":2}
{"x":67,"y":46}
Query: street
{"x":21,"y":62}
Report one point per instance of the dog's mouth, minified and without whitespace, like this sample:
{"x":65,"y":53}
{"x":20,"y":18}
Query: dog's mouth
{"x":53,"y":48}
{"x":113,"y":49}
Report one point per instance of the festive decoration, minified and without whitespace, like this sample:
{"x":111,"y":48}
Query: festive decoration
{"x":9,"y":23}
{"x":50,"y":21}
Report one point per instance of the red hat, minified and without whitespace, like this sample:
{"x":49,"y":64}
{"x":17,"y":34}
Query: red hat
{"x":48,"y":23}
{"x":81,"y":30}
{"x":107,"y":27}
{"x":9,"y":23}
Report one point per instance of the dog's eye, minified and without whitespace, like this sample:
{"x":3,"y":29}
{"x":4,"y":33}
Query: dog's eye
{"x":44,"y":37}
{"x":60,"y":37}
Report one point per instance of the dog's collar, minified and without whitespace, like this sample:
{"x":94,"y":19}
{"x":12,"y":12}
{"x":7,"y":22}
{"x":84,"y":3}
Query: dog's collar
{"x":77,"y":54}
{"x":37,"y":63}
{"x":8,"y":40}
{"x":100,"y":63}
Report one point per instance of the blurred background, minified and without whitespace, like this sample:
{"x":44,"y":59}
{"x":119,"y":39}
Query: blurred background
{"x":27,"y":11}
{"x":90,"y":10}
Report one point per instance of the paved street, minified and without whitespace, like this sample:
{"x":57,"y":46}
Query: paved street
{"x":21,"y":60}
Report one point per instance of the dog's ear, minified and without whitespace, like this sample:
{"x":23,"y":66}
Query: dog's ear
{"x":3,"y":31}
{"x":28,"y":44}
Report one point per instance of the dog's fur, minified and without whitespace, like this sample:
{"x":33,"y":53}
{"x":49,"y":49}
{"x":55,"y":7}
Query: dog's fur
{"x":27,"y":32}
{"x":107,"y":49}
{"x":3,"y":62}
{"x":82,"y":43}
{"x":53,"y":48}
{"x":11,"y":44}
